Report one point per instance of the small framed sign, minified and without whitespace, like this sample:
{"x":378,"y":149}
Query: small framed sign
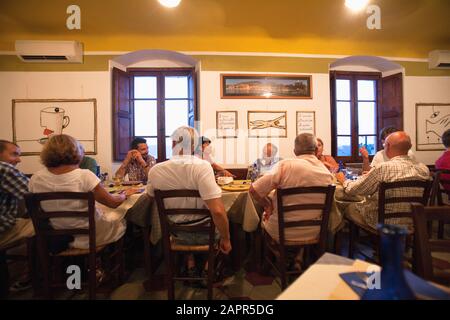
{"x":226,"y":124}
{"x":306,"y":122}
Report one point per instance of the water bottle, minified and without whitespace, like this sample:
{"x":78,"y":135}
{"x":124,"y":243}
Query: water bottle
{"x":393,"y":284}
{"x":341,"y":166}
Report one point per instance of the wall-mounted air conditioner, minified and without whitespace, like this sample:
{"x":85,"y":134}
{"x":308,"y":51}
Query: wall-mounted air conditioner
{"x":439,"y":59}
{"x":49,"y":51}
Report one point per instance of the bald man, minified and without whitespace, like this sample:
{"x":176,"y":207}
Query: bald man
{"x":399,"y":167}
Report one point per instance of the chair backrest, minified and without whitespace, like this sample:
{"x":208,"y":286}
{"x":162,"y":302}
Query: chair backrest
{"x":441,"y":184}
{"x":40,"y":218}
{"x":168,"y":227}
{"x":322,"y":221}
{"x":392,"y":194}
{"x":424,"y":245}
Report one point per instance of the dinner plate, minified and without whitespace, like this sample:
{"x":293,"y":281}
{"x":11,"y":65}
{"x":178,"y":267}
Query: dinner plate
{"x":237,"y":185}
{"x":131,"y":183}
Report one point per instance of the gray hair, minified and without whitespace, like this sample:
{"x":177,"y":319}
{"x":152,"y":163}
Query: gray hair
{"x":305,"y":143}
{"x":186,"y":140}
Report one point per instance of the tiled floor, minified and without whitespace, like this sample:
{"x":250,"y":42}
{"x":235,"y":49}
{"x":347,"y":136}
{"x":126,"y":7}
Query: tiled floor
{"x":246,"y":285}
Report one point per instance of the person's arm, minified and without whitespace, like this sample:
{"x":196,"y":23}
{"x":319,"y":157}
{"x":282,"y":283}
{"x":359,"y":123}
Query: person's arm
{"x":123,"y":168}
{"x":365,"y":157}
{"x":220,"y":219}
{"x":365,"y":185}
{"x":331,"y":164}
{"x":109,"y":200}
{"x":218,"y":168}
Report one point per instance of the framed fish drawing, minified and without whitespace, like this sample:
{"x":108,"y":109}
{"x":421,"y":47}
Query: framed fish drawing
{"x":267,"y":124}
{"x":432,"y":120}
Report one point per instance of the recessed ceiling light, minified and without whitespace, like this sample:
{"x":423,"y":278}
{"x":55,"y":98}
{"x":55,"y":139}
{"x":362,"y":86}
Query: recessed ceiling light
{"x":170,"y":3}
{"x":356,"y":5}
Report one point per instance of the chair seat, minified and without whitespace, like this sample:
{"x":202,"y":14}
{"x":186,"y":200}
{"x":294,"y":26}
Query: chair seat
{"x":77,"y":252}
{"x":291,"y":243}
{"x":174,"y":246}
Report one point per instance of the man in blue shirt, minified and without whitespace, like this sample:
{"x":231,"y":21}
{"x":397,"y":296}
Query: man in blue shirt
{"x":264,"y":164}
{"x":13,"y":186}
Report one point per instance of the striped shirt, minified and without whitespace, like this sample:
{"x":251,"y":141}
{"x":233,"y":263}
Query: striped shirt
{"x":13,"y":186}
{"x":400,"y":168}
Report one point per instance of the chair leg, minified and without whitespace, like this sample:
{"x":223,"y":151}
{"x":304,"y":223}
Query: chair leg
{"x":351,"y":239}
{"x":282,"y":264}
{"x":4,"y":276}
{"x":32,"y":263}
{"x":169,"y":276}
{"x":92,"y":276}
{"x":210,"y":274}
{"x":441,"y":230}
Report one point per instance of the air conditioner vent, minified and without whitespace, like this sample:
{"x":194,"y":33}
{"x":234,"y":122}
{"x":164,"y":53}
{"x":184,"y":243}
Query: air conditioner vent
{"x":439,"y":59}
{"x":49,"y":51}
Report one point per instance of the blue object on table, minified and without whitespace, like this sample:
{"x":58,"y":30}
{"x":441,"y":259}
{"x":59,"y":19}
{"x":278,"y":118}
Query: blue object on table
{"x":393,"y":281}
{"x":421,"y":288}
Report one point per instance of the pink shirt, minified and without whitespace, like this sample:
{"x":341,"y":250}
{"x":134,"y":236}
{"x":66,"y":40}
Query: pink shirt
{"x":444,"y":163}
{"x":302,"y":171}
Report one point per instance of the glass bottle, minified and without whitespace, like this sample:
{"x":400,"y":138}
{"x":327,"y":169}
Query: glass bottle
{"x":393,"y":282}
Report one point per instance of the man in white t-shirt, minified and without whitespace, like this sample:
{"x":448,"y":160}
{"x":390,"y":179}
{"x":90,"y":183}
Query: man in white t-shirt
{"x":185,"y":171}
{"x":380,"y":156}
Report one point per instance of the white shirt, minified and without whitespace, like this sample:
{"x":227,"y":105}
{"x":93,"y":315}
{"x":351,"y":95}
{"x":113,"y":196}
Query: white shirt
{"x":302,"y":171}
{"x":78,"y":180}
{"x":381,"y":157}
{"x":184,"y":172}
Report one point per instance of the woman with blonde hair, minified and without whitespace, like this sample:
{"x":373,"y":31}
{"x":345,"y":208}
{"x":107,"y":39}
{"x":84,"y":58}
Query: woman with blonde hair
{"x":328,"y":161}
{"x":61,"y":157}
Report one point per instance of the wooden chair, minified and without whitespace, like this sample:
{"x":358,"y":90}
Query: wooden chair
{"x":438,"y":192}
{"x":384,"y":213}
{"x":424,"y":245}
{"x":171,"y":247}
{"x":45,"y":234}
{"x":278,"y":249}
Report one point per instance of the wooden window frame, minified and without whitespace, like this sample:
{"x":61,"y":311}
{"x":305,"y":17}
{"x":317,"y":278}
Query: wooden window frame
{"x":160,"y":74}
{"x":353,"y":77}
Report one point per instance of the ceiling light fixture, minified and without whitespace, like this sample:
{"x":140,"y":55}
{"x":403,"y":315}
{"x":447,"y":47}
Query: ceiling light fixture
{"x":356,"y":5}
{"x":169,"y":3}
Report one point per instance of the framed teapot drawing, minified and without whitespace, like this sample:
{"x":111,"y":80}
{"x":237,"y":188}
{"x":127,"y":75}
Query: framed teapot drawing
{"x":36,"y":120}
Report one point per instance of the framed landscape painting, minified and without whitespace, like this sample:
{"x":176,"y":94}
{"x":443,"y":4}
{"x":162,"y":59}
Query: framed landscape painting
{"x":270,"y":86}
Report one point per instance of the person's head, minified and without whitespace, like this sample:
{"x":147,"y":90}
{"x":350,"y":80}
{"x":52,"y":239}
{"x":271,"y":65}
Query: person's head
{"x":61,"y":149}
{"x":140,"y":144}
{"x":385,"y":132}
{"x":270,"y":150}
{"x":319,"y":151}
{"x":205,"y":143}
{"x":446,"y":138}
{"x":305,"y":143}
{"x":184,"y":141}
{"x":9,"y":152}
{"x":397,"y":144}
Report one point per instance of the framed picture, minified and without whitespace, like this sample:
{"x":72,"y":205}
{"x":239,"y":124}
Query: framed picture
{"x":270,"y":86}
{"x":306,"y":122}
{"x":226,"y":124}
{"x":35,"y":120}
{"x":432,"y":120}
{"x":267,"y":124}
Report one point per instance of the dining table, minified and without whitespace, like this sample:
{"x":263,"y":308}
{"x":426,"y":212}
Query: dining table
{"x":323,"y":281}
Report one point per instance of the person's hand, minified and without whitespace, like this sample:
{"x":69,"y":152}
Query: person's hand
{"x":225,"y":245}
{"x":340,"y":177}
{"x":268,"y":210}
{"x":130,"y":155}
{"x":364,"y":152}
{"x":227,"y":173}
{"x":131,"y":191}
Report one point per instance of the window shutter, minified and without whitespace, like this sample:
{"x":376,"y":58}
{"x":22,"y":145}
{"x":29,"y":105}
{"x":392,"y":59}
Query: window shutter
{"x":391,"y":111}
{"x":123,"y":111}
